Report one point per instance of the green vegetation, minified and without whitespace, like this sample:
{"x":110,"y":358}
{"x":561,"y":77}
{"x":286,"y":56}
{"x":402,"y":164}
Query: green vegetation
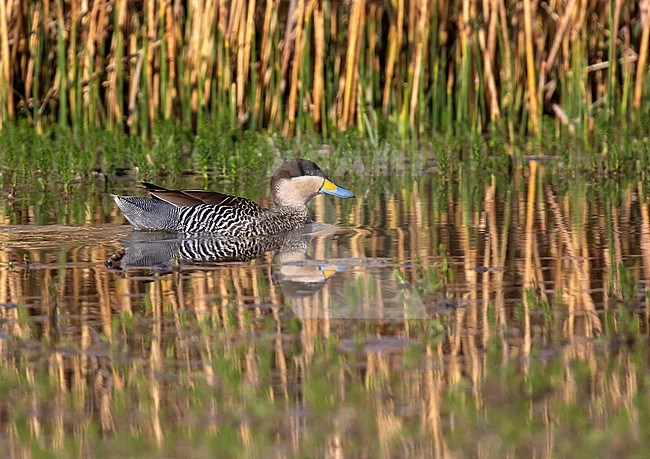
{"x":219,"y":153}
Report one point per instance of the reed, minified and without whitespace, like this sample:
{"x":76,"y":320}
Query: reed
{"x":5,"y":75}
{"x":317,"y":65}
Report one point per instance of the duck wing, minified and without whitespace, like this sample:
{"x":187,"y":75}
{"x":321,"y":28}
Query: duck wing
{"x":183,"y":198}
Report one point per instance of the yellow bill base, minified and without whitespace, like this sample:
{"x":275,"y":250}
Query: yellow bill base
{"x":329,"y":186}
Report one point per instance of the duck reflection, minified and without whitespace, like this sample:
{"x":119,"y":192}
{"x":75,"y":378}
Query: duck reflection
{"x":332,"y":287}
{"x":297,"y":275}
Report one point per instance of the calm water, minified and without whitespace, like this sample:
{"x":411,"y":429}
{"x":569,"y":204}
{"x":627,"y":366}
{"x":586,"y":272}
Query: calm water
{"x":427,"y":317}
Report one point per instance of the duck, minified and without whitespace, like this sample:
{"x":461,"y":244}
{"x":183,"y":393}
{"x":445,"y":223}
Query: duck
{"x":293,"y":184}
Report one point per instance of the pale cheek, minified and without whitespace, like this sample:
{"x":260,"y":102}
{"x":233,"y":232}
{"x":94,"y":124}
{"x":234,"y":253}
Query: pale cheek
{"x":299,"y":190}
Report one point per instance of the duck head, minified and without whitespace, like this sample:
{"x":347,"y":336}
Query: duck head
{"x":298,"y":180}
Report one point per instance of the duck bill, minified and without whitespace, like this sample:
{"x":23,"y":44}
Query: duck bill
{"x":335,"y":190}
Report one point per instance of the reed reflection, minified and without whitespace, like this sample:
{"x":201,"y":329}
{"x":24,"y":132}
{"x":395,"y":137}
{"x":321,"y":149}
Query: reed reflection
{"x":333,"y":285}
{"x":534,"y":306}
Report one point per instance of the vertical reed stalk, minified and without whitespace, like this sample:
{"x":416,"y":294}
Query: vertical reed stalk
{"x":263,"y":90}
{"x":169,"y":61}
{"x":394,"y":48}
{"x":112,"y":104}
{"x":35,"y":65}
{"x":192,"y":61}
{"x":488,"y":54}
{"x":351,"y":66}
{"x":627,"y":73}
{"x":90,"y":97}
{"x":614,"y":9}
{"x":133,"y":90}
{"x":319,"y":46}
{"x":6,"y":96}
{"x":288,"y":43}
{"x":276,"y":77}
{"x":507,"y":99}
{"x":242,"y":75}
{"x":75,"y":86}
{"x":150,"y":72}
{"x":420,"y":34}
{"x":559,"y":35}
{"x":249,"y":39}
{"x":464,"y":57}
{"x":163,"y":84}
{"x":61,"y":66}
{"x":530,"y":66}
{"x":207,"y":55}
{"x":643,"y":56}
{"x":295,"y":68}
{"x":358,"y":82}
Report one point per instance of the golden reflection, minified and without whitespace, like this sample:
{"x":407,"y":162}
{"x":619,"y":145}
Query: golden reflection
{"x":321,"y":325}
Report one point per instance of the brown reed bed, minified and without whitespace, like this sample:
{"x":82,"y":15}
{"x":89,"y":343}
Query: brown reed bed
{"x":309,"y":65}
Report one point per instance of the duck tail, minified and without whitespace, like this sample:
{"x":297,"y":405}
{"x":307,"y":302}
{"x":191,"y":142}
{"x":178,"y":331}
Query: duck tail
{"x":148,"y":214}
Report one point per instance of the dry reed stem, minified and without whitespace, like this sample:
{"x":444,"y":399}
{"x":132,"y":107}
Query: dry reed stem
{"x":394,"y":46}
{"x":463,"y":28}
{"x":356,"y":81}
{"x":133,"y":90}
{"x":72,"y":54}
{"x":89,"y":50}
{"x":643,"y":55}
{"x":530,"y":65}
{"x":614,"y":41}
{"x":351,"y":62}
{"x":33,"y":48}
{"x":5,"y":82}
{"x":561,"y":115}
{"x":264,"y":55}
{"x":152,"y":97}
{"x":267,"y":41}
{"x":299,"y":44}
{"x":193,"y":55}
{"x":207,"y":62}
{"x":507,"y":98}
{"x":559,"y":35}
{"x":488,"y":53}
{"x":115,"y":64}
{"x":249,"y":36}
{"x":170,"y":37}
{"x":288,"y":42}
{"x":242,"y":76}
{"x":421,"y":39}
{"x":319,"y":47}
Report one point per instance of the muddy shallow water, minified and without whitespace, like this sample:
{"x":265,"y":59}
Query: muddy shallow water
{"x":431,"y":317}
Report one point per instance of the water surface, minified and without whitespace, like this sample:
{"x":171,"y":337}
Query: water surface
{"x":429,"y":316}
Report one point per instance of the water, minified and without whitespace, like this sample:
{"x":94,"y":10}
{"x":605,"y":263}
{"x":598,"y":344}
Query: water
{"x":430,"y":316}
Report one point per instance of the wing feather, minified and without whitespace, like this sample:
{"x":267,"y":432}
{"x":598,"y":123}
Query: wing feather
{"x":183,"y":198}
